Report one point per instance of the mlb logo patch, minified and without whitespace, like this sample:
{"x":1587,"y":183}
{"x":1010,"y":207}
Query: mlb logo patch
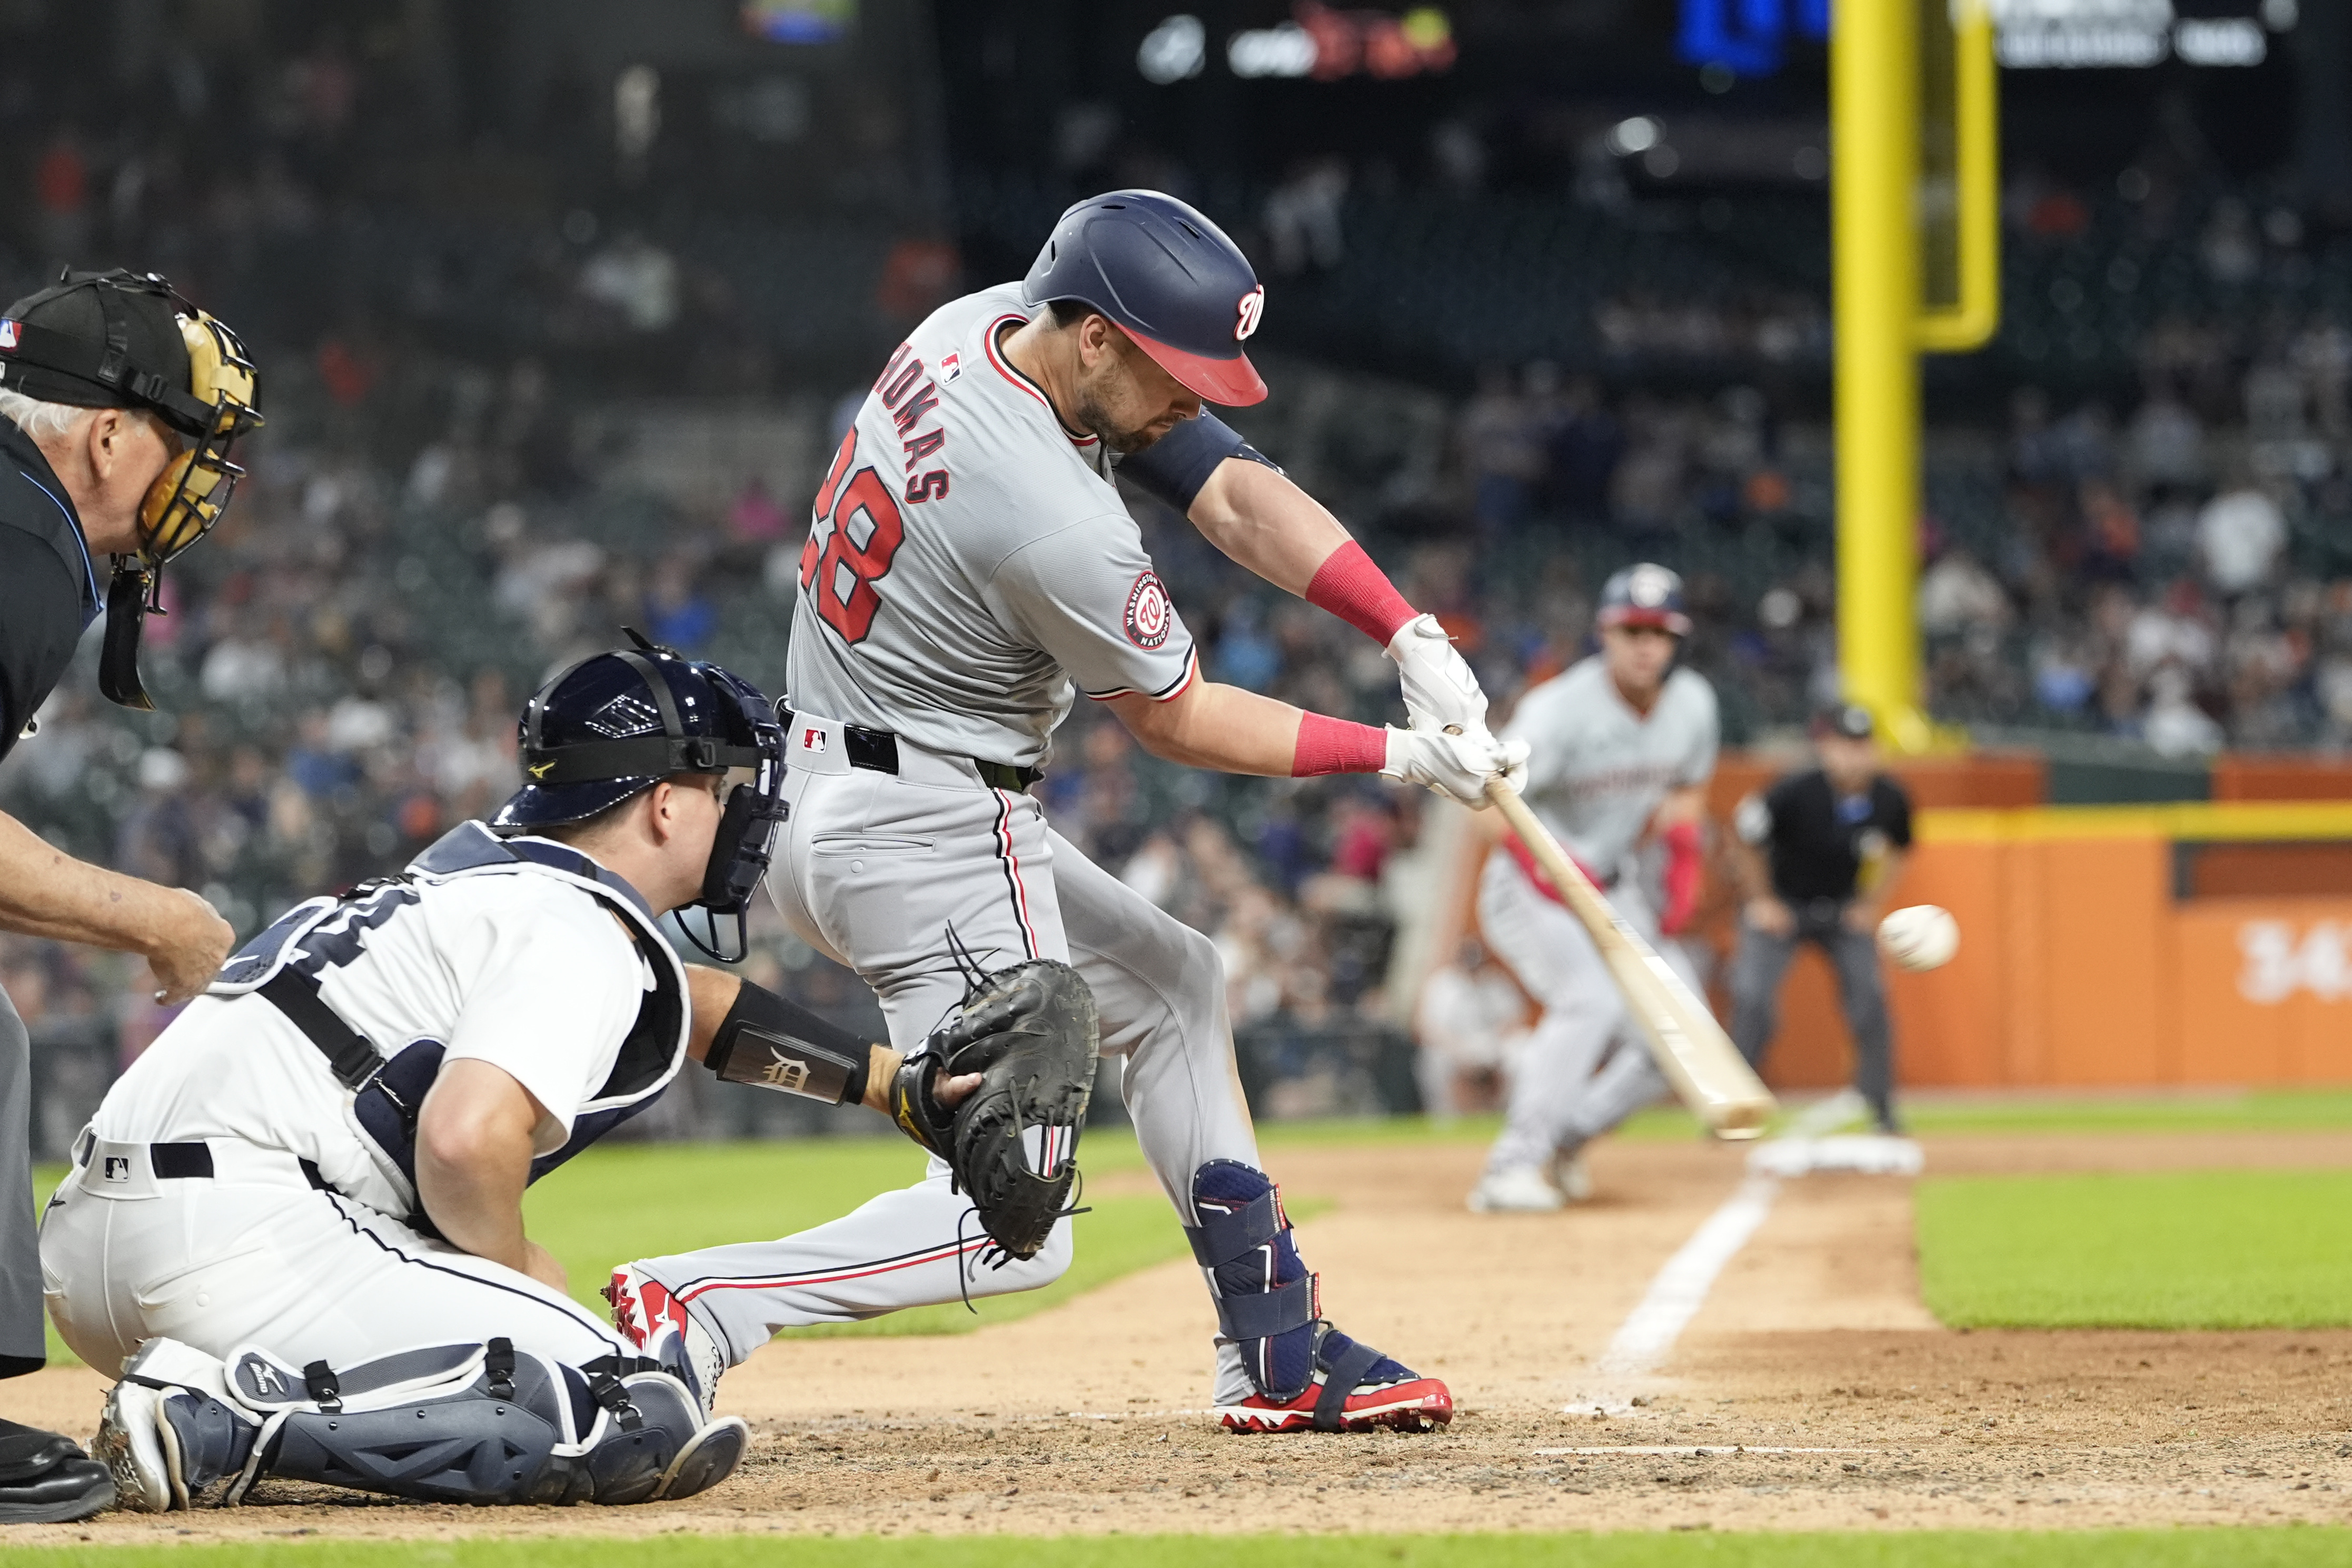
{"x":950,"y":368}
{"x":118,"y":1167}
{"x":7,"y":335}
{"x":812,"y":739}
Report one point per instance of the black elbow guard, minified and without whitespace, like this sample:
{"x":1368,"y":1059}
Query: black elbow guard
{"x":770,"y":1043}
{"x":1174,"y":467}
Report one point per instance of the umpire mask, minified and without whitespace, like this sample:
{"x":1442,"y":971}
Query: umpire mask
{"x":617,"y":724}
{"x":129,"y":340}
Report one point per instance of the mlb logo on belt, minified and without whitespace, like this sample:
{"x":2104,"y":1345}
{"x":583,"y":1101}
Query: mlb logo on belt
{"x":812,"y":739}
{"x":7,"y":335}
{"x":118,"y":1167}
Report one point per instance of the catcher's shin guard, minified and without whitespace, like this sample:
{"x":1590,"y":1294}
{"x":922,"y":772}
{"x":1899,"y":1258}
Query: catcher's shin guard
{"x":1306,"y":1374}
{"x":476,"y":1423}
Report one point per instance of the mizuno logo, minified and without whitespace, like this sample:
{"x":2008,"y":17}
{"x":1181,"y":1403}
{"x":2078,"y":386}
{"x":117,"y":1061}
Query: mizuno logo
{"x":541,"y":769}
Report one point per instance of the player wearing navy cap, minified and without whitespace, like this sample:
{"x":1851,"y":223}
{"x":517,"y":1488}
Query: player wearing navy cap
{"x":971,"y":569}
{"x":298,"y":1214}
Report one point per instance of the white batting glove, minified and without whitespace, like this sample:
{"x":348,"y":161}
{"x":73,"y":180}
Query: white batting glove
{"x":1458,"y":766}
{"x":1440,"y":691}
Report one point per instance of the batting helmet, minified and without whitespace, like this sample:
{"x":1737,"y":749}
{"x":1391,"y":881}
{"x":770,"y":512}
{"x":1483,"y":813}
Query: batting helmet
{"x":1169,"y":277}
{"x":1644,"y":595}
{"x":617,"y":724}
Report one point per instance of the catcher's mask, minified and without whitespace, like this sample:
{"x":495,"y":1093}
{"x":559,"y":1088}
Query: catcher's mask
{"x":618,"y":724}
{"x":129,"y":340}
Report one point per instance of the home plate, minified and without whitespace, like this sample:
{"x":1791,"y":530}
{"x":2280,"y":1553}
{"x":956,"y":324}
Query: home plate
{"x":1871,"y":1153}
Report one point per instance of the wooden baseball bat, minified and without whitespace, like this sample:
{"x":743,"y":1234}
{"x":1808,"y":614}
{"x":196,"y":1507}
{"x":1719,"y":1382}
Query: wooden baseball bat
{"x":1689,"y":1047}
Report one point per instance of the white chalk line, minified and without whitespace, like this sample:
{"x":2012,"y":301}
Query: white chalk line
{"x":1680,"y":1288}
{"x":1648,"y":1333}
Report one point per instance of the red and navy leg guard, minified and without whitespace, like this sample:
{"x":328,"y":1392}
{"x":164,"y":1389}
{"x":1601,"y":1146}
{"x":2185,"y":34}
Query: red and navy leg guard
{"x":1305,"y":1373}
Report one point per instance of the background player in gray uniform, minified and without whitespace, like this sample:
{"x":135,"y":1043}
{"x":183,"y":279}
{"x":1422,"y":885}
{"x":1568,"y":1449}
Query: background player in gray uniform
{"x":969,"y":569}
{"x":1622,"y":746}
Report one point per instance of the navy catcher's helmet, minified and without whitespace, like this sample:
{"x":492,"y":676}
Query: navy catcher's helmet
{"x":618,"y":724}
{"x":1169,"y":277}
{"x":1644,"y":595}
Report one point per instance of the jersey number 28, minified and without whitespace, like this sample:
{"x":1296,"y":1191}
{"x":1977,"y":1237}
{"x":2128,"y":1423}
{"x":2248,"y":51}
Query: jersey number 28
{"x":865,"y":533}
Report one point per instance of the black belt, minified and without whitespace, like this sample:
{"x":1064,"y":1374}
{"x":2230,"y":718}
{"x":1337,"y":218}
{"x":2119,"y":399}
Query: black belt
{"x":877,"y":751}
{"x":193,"y":1162}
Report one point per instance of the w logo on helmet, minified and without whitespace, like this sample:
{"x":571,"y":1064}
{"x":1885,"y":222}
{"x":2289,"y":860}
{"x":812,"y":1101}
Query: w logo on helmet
{"x":1253,"y":306}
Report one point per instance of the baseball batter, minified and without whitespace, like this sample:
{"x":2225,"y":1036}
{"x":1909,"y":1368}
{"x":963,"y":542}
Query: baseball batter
{"x":299,"y":1213}
{"x":970,"y":571}
{"x":1622,"y":746}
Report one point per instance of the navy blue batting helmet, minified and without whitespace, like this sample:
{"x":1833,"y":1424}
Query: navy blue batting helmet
{"x":1169,"y":277}
{"x":617,"y":724}
{"x":1647,"y":595}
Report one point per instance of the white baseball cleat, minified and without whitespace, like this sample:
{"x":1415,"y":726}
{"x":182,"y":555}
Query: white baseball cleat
{"x":1573,"y":1177}
{"x":657,"y":1324}
{"x":1522,"y":1189}
{"x":130,"y":1444}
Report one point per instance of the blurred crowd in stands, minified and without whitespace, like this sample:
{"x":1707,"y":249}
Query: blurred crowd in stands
{"x":490,"y":444}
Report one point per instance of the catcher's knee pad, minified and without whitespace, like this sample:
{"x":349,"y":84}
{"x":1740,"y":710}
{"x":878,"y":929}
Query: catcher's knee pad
{"x":652,"y":1441}
{"x":1266,"y":1298}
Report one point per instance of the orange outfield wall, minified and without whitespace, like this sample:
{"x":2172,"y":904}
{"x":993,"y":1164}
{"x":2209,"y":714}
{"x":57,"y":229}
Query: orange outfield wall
{"x":2079,"y":966}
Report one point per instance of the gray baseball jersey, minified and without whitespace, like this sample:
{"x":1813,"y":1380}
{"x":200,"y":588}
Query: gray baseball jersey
{"x":1597,"y":770}
{"x":970,"y":561}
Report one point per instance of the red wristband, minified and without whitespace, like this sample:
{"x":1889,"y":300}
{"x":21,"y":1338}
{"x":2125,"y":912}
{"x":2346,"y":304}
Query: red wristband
{"x":1328,"y":745}
{"x":1350,"y":586}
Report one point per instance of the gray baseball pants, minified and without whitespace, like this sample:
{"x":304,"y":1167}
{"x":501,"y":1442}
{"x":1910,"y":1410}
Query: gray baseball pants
{"x":1558,"y":1101}
{"x":875,"y":870}
{"x":1763,"y":961}
{"x":24,"y":1345}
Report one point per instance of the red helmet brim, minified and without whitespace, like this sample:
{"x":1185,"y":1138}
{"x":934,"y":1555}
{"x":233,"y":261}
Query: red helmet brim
{"x":1232,"y":383}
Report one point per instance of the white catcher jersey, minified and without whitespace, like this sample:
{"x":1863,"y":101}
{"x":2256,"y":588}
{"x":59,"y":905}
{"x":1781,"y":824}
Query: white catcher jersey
{"x":526,"y":972}
{"x":1597,"y":770}
{"x":968,"y":562}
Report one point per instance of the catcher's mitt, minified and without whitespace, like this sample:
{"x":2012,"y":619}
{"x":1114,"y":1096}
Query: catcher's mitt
{"x":1030,"y":1032}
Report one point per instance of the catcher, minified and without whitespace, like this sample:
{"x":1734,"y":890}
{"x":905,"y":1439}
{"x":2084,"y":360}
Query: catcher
{"x":298,"y":1214}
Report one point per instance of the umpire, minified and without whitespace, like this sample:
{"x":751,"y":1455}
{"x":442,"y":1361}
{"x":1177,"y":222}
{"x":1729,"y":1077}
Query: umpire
{"x":119,"y":401}
{"x":1835,"y":835}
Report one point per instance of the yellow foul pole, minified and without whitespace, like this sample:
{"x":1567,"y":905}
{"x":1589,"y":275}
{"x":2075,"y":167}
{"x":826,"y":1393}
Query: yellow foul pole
{"x":1875,"y":239}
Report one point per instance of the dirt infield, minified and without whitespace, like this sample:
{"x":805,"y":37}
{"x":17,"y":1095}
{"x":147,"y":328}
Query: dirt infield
{"x":1811,"y":1389}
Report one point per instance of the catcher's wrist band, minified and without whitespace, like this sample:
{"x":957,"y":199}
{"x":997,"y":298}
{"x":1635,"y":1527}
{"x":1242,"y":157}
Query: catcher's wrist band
{"x":771,"y":1043}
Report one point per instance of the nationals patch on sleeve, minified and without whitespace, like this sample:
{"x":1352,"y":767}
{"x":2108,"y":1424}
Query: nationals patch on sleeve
{"x":1148,"y":613}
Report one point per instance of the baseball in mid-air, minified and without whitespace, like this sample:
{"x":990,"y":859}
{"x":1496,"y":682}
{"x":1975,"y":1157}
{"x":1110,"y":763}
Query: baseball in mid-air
{"x":1921,"y":937}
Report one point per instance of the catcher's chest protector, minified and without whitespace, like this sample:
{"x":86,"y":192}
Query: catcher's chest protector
{"x":388,"y":1079}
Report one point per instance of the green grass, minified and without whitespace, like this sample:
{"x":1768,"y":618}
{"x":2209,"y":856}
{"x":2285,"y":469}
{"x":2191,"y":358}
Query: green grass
{"x":2288,"y":1547}
{"x":2221,"y":1111}
{"x":2209,"y":1250}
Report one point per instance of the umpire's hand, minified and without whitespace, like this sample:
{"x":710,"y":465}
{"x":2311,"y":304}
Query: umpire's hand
{"x":190,"y":945}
